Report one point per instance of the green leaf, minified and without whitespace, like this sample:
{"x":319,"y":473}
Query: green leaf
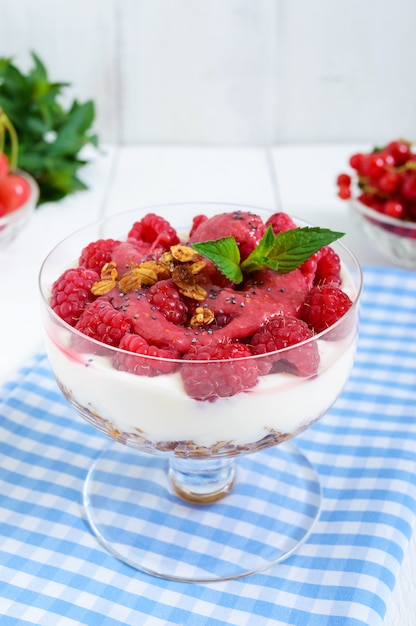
{"x":290,"y":249}
{"x":225,"y":254}
{"x":38,"y":72}
{"x":79,"y":118}
{"x":261,"y":254}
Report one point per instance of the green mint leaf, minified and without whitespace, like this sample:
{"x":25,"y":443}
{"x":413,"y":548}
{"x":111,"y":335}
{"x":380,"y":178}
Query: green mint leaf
{"x":225,"y":254}
{"x":290,"y":249}
{"x":260,"y":256}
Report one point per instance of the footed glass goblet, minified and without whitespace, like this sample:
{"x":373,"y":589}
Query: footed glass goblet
{"x":199,"y":481}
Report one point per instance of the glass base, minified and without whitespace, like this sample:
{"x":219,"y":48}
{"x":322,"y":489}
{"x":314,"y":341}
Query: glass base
{"x":269,"y":509}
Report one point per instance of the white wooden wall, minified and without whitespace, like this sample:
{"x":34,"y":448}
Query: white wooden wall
{"x":227,"y":71}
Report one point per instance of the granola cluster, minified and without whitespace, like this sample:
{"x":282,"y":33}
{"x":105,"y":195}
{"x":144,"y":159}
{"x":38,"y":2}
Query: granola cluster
{"x":181,"y":263}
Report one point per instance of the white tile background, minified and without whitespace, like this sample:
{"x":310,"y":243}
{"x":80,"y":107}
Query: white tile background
{"x":227,"y":71}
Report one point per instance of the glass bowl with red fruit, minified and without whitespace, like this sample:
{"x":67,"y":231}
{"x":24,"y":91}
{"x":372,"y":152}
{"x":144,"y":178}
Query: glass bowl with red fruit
{"x":382,"y":195}
{"x":201,"y":339}
{"x":19,"y":195}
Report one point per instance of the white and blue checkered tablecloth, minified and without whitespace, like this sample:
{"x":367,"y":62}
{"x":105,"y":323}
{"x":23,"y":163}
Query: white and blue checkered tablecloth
{"x":53,"y":571}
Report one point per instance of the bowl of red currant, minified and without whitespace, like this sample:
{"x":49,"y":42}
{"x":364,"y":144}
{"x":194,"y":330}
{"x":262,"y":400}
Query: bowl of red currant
{"x":381,"y":191}
{"x":19,"y":194}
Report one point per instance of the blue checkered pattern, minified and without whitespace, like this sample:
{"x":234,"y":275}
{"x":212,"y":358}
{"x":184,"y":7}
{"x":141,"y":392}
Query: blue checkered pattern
{"x":53,"y":572}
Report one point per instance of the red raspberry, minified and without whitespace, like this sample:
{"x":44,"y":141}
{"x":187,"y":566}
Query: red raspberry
{"x":282,"y":332}
{"x":97,"y":254}
{"x":280,"y":222}
{"x":163,"y":362}
{"x":225,"y":372}
{"x":101,"y":321}
{"x":328,"y":268}
{"x":165,"y":296}
{"x":324,"y":305}
{"x":71,"y":293}
{"x":323,"y":267}
{"x":129,"y":254}
{"x":197,"y":220}
{"x":155,"y":230}
{"x":308,"y":268}
{"x":247,"y":229}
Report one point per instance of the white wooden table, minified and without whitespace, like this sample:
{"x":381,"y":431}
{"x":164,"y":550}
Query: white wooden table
{"x":297,"y":179}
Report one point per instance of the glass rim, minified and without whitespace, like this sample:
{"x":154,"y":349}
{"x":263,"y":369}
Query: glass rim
{"x":373,"y":214}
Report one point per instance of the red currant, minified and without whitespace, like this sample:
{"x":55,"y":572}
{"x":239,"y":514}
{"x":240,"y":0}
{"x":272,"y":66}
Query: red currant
{"x":394,"y":208}
{"x":344,"y":192}
{"x":374,"y":165}
{"x":389,"y":182}
{"x":356,"y":161}
{"x":409,"y":186}
{"x":399,"y":150}
{"x":411,"y":214}
{"x":370,"y":200}
{"x":343,"y":180}
{"x":14,"y":192}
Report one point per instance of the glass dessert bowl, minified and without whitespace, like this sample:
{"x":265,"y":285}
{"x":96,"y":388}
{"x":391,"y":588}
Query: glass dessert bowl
{"x":394,"y":238}
{"x":190,"y":373}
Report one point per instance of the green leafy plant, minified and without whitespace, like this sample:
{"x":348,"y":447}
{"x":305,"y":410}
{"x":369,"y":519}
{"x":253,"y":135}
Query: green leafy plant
{"x":50,"y":136}
{"x":282,"y":253}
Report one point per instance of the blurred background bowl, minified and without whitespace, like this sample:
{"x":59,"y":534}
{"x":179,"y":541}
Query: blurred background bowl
{"x":394,"y":238}
{"x":12,"y":223}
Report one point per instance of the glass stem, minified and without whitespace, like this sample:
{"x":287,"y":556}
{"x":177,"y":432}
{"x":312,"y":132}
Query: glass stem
{"x":202,"y":480}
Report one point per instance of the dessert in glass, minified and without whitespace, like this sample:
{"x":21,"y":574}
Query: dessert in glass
{"x":201,"y":338}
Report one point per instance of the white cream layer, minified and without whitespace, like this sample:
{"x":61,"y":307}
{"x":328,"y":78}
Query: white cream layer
{"x":159,"y":409}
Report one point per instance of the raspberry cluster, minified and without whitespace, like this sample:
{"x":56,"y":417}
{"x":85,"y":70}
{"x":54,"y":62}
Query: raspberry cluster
{"x":172,"y":313}
{"x":385,"y":179}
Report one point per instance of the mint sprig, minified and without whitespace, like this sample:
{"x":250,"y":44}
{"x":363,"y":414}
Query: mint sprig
{"x":282,"y":253}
